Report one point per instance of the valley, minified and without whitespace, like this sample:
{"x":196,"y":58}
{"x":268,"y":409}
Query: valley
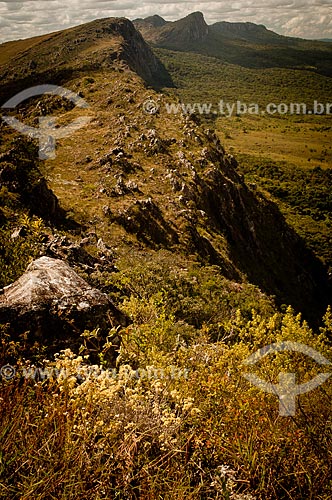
{"x":147,"y":264}
{"x":278,"y":152}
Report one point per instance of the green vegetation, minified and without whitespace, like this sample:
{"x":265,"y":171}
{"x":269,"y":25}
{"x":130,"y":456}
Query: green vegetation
{"x":16,"y":253}
{"x":245,"y":44}
{"x":304,"y":196}
{"x":202,"y":78}
{"x":176,"y":419}
{"x":21,"y":231}
{"x":288,"y":157}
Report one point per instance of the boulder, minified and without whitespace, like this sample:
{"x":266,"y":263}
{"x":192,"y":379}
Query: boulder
{"x":53,"y":305}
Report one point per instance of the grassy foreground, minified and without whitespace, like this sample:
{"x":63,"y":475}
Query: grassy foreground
{"x":176,"y":419}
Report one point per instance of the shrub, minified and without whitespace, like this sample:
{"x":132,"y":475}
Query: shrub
{"x":185,"y":423}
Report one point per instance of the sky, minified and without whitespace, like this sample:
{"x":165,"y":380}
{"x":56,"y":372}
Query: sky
{"x":300,"y":18}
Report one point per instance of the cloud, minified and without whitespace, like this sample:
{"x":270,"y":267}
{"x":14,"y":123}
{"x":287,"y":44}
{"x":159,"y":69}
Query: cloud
{"x":304,"y":18}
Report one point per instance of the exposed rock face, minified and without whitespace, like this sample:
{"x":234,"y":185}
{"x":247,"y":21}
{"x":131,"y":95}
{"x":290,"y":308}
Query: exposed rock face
{"x":204,"y":208}
{"x":281,"y":265}
{"x":144,"y":218}
{"x":61,"y":247}
{"x":192,"y":28}
{"x":55,"y":305}
{"x":139,"y":57}
{"x":44,"y":203}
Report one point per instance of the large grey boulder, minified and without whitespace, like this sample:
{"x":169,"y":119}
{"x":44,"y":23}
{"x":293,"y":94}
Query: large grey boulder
{"x":54,"y":305}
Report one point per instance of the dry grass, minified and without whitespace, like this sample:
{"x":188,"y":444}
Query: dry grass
{"x":185,"y":425}
{"x":305,"y":142}
{"x":205,"y":434}
{"x":9,"y":50}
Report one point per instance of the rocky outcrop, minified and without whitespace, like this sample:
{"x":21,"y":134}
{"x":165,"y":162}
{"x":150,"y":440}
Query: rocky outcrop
{"x":53,"y":305}
{"x":145,"y":219}
{"x":139,"y":57}
{"x":61,"y":247}
{"x":280,"y":265}
{"x":178,"y":34}
{"x":20,"y":175}
{"x":44,"y":203}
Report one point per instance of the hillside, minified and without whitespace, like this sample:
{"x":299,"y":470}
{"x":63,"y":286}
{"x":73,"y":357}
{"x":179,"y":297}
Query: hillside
{"x":139,"y":271}
{"x":251,"y":32}
{"x":245,"y":44}
{"x":63,"y":55}
{"x":288,"y":156}
{"x":199,"y":203}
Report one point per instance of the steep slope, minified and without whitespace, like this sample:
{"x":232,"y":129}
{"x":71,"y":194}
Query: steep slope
{"x":179,"y":35}
{"x":151,"y":21}
{"x":96,"y":45}
{"x":148,"y":181}
{"x":296,"y":154}
{"x":245,"y":44}
{"x":183,"y":33}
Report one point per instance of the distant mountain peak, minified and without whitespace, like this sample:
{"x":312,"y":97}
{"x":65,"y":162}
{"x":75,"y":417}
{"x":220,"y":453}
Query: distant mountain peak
{"x":194,"y":26}
{"x":247,"y":30}
{"x":155,"y":21}
{"x":196,"y":15}
{"x":244,"y":43}
{"x":177,"y":34}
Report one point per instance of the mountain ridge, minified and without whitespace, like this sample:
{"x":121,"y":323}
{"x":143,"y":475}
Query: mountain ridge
{"x":89,"y":46}
{"x":141,"y":278}
{"x":160,"y":181}
{"x":245,"y":44}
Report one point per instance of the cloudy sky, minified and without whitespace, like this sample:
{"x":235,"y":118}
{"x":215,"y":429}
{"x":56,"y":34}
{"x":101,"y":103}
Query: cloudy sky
{"x":303,"y":18}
